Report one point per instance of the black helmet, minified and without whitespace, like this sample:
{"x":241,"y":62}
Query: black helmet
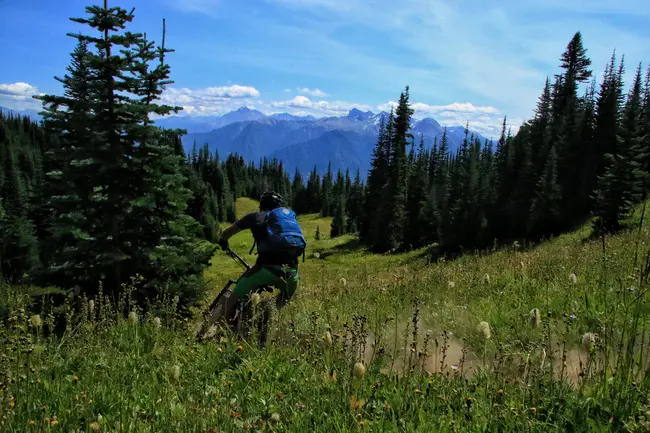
{"x":271,"y":200}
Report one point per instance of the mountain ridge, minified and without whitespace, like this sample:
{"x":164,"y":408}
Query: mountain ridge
{"x":305,"y":141}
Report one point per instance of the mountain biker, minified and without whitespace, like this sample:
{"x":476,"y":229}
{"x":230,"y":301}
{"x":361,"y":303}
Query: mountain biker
{"x":279,"y":243}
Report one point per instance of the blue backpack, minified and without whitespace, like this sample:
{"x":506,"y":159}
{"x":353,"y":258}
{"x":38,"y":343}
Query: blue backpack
{"x":284,"y":233}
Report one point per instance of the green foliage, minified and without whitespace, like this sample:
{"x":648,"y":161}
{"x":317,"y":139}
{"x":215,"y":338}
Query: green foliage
{"x":581,"y":155}
{"x":445,"y":356}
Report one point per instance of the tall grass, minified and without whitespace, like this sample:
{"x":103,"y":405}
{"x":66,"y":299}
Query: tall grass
{"x":550,"y":339}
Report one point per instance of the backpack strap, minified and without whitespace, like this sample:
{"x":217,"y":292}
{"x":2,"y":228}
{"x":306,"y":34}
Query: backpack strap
{"x":255,"y":240}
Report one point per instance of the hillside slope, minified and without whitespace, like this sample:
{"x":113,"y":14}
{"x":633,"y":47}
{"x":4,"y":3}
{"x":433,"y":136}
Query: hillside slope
{"x":472,"y":319}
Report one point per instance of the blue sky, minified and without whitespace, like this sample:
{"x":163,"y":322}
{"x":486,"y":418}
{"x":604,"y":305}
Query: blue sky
{"x":465,"y":60}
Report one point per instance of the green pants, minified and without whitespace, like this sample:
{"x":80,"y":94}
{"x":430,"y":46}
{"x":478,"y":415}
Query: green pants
{"x":284,"y":278}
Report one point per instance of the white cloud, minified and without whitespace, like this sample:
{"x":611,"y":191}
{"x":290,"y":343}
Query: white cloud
{"x":18,"y":89}
{"x":209,"y":100}
{"x":207,"y":7}
{"x":484,"y":120}
{"x":18,"y":96}
{"x":312,"y":92}
{"x":316,"y":108}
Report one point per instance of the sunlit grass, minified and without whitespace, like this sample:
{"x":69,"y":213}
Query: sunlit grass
{"x":428,"y":321}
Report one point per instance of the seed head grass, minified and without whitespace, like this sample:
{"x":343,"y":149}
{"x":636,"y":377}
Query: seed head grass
{"x":394,"y":348}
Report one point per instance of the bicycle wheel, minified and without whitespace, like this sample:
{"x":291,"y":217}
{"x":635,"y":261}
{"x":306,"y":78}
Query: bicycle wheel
{"x":216,"y":314}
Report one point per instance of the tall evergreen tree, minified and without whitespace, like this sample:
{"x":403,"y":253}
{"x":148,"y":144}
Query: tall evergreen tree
{"x":125,"y":180}
{"x":620,"y":185}
{"x":397,"y":176}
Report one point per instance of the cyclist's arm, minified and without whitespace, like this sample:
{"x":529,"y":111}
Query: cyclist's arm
{"x":230,"y":231}
{"x":246,"y":222}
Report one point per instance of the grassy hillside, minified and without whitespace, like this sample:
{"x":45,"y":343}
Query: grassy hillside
{"x":447,"y":346}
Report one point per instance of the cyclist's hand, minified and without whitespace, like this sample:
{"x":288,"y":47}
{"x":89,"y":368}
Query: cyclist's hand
{"x":223,"y":243}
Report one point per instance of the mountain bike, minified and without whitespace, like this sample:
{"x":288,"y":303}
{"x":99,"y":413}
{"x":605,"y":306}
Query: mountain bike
{"x":247,"y":317}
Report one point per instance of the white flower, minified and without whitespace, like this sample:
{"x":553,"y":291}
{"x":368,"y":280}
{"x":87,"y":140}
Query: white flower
{"x":484,"y":328}
{"x":573,"y":278}
{"x":36,"y":321}
{"x":176,"y":372}
{"x":588,"y":340}
{"x":255,"y":298}
{"x":451,"y":284}
{"x":133,"y":317}
{"x":359,"y":370}
{"x":156,"y":322}
{"x":535,"y":318}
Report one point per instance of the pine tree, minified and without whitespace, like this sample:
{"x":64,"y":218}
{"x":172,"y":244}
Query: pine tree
{"x":326,"y":193}
{"x":418,"y":188}
{"x":354,"y":205}
{"x":337,"y":227}
{"x":377,"y":180}
{"x":314,"y":196}
{"x":397,"y":176}
{"x":620,"y":185}
{"x":546,"y":206}
{"x":125,"y":182}
{"x":299,"y":194}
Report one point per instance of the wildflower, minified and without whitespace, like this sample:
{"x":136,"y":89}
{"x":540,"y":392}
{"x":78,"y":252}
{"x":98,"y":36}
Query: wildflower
{"x":359,"y":370}
{"x":219,"y":350}
{"x":300,"y":405}
{"x":239,"y":348}
{"x":176,"y":372}
{"x":451,"y":284}
{"x":247,"y":426}
{"x":75,"y":378}
{"x":535,"y":318}
{"x":31,"y":422}
{"x":588,"y":340}
{"x":486,"y":278}
{"x":533,"y":410}
{"x":12,"y":404}
{"x":133,"y":317}
{"x":484,"y":328}
{"x":156,"y":322}
{"x":53,"y":422}
{"x":38,"y":380}
{"x":343,"y":281}
{"x":91,"y":306}
{"x":95,"y":426}
{"x":275,"y":417}
{"x":36,"y":321}
{"x":235,"y":415}
{"x":328,"y":338}
{"x":355,"y":404}
{"x":573,"y":278}
{"x":501,"y":392}
{"x":255,"y":298}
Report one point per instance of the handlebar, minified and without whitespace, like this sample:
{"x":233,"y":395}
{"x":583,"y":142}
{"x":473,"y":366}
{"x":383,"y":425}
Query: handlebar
{"x":235,"y":256}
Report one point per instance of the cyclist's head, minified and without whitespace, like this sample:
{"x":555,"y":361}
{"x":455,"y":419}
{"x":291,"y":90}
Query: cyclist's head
{"x":270,"y":200}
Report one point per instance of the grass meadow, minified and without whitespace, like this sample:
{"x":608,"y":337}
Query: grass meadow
{"x":548,"y":338}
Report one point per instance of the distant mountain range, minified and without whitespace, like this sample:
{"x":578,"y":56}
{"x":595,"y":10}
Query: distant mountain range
{"x":298,"y":141}
{"x":302,"y":141}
